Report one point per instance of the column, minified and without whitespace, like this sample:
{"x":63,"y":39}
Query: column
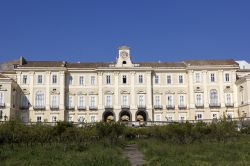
{"x":221,"y":90}
{"x":149,"y":96}
{"x":205,"y":94}
{"x":191,"y":88}
{"x":100,"y":91}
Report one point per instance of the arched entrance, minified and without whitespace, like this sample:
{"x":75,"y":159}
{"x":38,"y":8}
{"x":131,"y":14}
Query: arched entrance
{"x":141,"y":116}
{"x":108,"y":116}
{"x":125,"y":116}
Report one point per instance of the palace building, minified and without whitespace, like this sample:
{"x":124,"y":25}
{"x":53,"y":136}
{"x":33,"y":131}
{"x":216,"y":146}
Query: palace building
{"x":50,"y":91}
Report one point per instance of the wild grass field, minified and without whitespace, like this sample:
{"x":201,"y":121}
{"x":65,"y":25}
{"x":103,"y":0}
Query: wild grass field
{"x":198,"y":144}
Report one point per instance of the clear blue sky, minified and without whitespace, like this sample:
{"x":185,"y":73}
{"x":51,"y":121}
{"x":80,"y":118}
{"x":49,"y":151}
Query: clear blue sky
{"x":92,"y":30}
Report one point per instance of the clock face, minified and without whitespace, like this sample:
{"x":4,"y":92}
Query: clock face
{"x":124,"y":54}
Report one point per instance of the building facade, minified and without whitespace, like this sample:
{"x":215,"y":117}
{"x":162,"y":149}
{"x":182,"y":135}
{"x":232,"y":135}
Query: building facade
{"x":50,"y":91}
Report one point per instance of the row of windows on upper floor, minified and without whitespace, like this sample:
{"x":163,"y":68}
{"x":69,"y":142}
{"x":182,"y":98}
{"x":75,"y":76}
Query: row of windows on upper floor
{"x":124,"y":79}
{"x":199,"y":100}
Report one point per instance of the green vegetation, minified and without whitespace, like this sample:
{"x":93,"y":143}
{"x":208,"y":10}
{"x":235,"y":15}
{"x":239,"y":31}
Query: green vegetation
{"x":101,"y":144}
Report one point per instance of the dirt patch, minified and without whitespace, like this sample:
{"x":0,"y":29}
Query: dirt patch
{"x":132,"y":153}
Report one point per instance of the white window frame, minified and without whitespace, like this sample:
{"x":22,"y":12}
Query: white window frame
{"x":70,"y":80}
{"x":39,"y":79}
{"x":199,"y":116}
{"x":108,"y":79}
{"x":81,"y":80}
{"x":40,"y":99}
{"x":181,"y":79}
{"x":141,"y":79}
{"x":157,"y":79}
{"x":125,"y":100}
{"x":199,"y":99}
{"x":157,"y":100}
{"x":227,"y":77}
{"x":230,"y":97}
{"x":198,"y":77}
{"x":92,"y":101}
{"x":182,"y":100}
{"x":158,"y":117}
{"x":54,"y":79}
{"x":25,"y":82}
{"x":169,"y":102}
{"x":108,"y":100}
{"x":141,"y":100}
{"x":54,"y":101}
{"x":168,"y":79}
{"x":93,"y":118}
{"x":81,"y":101}
{"x":92,"y":80}
{"x":212,"y":77}
{"x":70,"y":102}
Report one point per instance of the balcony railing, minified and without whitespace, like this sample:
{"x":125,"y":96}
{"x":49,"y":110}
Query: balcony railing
{"x":141,"y":107}
{"x":39,"y":107}
{"x":182,"y":106}
{"x":199,"y":105}
{"x":214,"y":105}
{"x":92,"y":107}
{"x":157,"y":106}
{"x":108,"y":107}
{"x":81,"y":107}
{"x":71,"y":108}
{"x":125,"y":106}
{"x":2,"y":105}
{"x":170,"y":107}
{"x":54,"y":107}
{"x":229,"y":104}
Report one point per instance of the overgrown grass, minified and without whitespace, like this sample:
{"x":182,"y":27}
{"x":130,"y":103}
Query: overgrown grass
{"x":159,"y":152}
{"x":57,"y":154}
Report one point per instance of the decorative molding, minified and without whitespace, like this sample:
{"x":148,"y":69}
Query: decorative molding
{"x":26,"y":91}
{"x":125,"y":92}
{"x":157,"y":92}
{"x":198,"y":90}
{"x":54,"y":92}
{"x":2,"y":89}
{"x":109,"y":92}
{"x":181,"y":92}
{"x":93,"y":93}
{"x":81,"y":93}
{"x":141,"y":92}
{"x":169,"y":92}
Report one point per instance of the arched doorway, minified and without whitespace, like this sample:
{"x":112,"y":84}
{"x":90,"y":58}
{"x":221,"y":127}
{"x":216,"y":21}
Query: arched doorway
{"x":108,"y":116}
{"x":141,"y":116}
{"x":125,"y":116}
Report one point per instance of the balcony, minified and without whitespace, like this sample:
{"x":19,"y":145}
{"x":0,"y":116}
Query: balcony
{"x":158,"y":107}
{"x":125,"y":106}
{"x":141,"y":107}
{"x":170,"y":107}
{"x":2,"y":105}
{"x":214,"y":105}
{"x":92,"y":107}
{"x":108,"y":107}
{"x":199,"y":105}
{"x":70,"y":108}
{"x":54,"y":107}
{"x":39,"y":107}
{"x":182,"y":106}
{"x":82,"y":107}
{"x":24,"y":107}
{"x":229,"y":104}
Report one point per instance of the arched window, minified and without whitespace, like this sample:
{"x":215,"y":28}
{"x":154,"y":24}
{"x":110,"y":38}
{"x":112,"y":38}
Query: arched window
{"x":39,"y":99}
{"x":124,"y":62}
{"x":213,"y":96}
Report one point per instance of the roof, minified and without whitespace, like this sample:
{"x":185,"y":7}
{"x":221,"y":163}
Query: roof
{"x":44,"y":64}
{"x":161,"y":64}
{"x":210,"y":62}
{"x":88,"y":65}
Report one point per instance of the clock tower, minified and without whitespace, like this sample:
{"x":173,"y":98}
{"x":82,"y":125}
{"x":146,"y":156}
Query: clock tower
{"x":124,"y":57}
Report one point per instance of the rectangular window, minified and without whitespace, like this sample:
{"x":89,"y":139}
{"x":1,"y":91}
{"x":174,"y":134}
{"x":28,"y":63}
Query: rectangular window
{"x":198,"y":99}
{"x":108,"y":79}
{"x":93,"y":118}
{"x":124,"y":79}
{"x":180,"y":79}
{"x":54,"y":79}
{"x":92,"y":80}
{"x":141,"y":100}
{"x":140,"y":79}
{"x":169,"y":79}
{"x":53,"y":118}
{"x":81,"y":80}
{"x":157,"y":79}
{"x":181,"y":100}
{"x":228,"y":98}
{"x":81,"y":101}
{"x":108,"y":100}
{"x":157,"y":101}
{"x":70,"y":80}
{"x":39,"y":79}
{"x":212,"y":77}
{"x":125,"y":100}
{"x":39,"y":119}
{"x":25,"y":78}
{"x":199,"y":116}
{"x":227,"y":77}
{"x":197,"y":78}
{"x":214,"y":116}
{"x":54,"y":101}
{"x":169,"y":100}
{"x":92,"y":101}
{"x":70,"y":101}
